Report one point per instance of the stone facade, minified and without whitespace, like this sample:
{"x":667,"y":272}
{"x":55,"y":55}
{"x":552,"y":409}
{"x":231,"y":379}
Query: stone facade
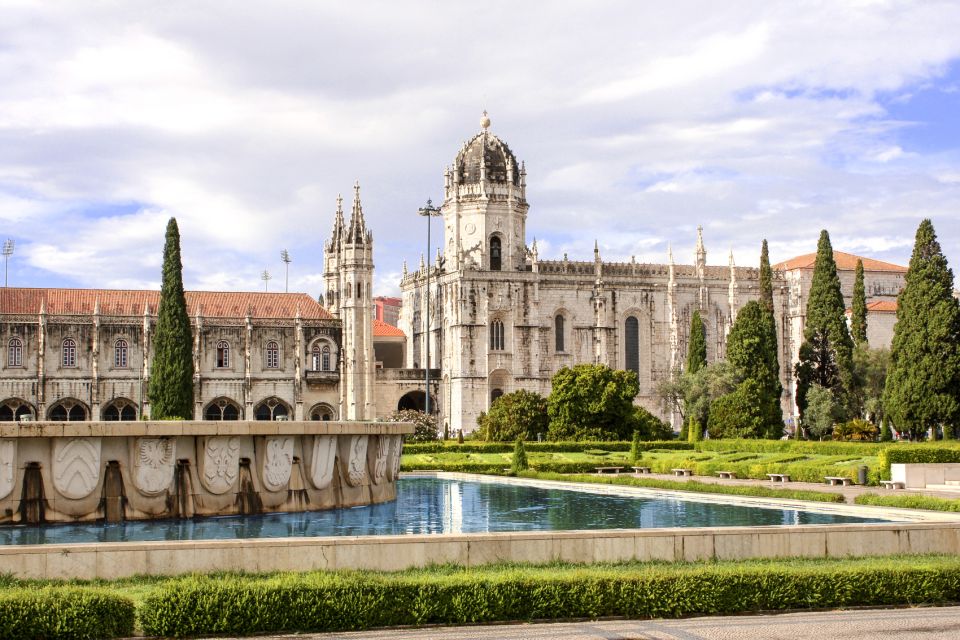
{"x":502,"y":319}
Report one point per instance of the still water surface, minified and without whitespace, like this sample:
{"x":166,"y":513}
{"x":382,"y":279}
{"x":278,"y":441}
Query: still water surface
{"x":432,"y":505}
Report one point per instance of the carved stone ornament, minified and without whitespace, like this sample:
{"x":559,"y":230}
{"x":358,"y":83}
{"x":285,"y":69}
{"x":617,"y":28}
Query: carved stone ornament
{"x":380,"y":459}
{"x":153,"y":464}
{"x":322,"y":461}
{"x":396,"y":449}
{"x":220,"y":463}
{"x":8,"y":462}
{"x":357,"y":466}
{"x":277,"y":462}
{"x":76,"y":466}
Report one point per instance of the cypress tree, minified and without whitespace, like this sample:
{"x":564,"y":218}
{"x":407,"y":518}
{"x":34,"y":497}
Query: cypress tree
{"x":923,"y":381}
{"x":697,"y":349}
{"x":519,"y":462}
{"x":766,"y":302}
{"x":171,"y":371}
{"x":885,"y":434}
{"x":826,"y":354}
{"x":858,"y":316}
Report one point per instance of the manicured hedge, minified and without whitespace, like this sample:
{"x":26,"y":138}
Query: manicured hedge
{"x":794,"y":446}
{"x":930,"y":503}
{"x":546,"y":447}
{"x":64,"y":612}
{"x":916,"y":454}
{"x":350,"y":601}
{"x":502,"y":468}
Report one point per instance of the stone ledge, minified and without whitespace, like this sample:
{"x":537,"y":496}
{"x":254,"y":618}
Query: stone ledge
{"x":158,"y":428}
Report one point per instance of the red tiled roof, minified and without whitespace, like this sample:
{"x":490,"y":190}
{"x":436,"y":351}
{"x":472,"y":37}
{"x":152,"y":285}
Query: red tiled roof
{"x":118,"y":302}
{"x":880,"y":306}
{"x":383,"y":330}
{"x":845,"y":262}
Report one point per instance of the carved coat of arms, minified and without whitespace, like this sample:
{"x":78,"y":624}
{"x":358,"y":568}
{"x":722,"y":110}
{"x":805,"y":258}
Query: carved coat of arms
{"x":153,"y":464}
{"x":380,"y":459}
{"x":357,"y":465}
{"x":76,"y":466}
{"x":220,"y":462}
{"x":277,"y":462}
{"x":8,"y":462}
{"x":396,"y":449}
{"x":322,"y":460}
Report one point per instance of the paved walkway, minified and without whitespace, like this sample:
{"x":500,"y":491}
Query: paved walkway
{"x":934,"y":623}
{"x":849,"y":492}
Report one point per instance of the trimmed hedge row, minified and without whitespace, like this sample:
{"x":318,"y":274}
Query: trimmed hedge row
{"x":794,"y":446}
{"x":799,"y":469}
{"x":352,"y":601}
{"x":916,"y":454}
{"x":547,"y":447}
{"x":930,"y":503}
{"x":503,"y":467}
{"x":64,"y":612}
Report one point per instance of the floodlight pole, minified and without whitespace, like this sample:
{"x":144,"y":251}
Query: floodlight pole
{"x":8,"y":245}
{"x":285,"y":257}
{"x":428,"y":211}
{"x":265,"y":276}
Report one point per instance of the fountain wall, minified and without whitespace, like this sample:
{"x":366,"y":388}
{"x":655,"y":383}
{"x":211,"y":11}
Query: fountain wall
{"x":115,"y":471}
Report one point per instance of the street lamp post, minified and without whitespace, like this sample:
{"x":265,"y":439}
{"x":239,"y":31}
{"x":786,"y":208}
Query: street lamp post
{"x":428,"y":211}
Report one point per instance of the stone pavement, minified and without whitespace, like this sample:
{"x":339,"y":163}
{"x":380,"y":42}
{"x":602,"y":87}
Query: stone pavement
{"x":929,"y":623}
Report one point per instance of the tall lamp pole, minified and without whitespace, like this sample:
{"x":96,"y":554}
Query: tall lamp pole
{"x":7,"y":252}
{"x":428,"y":211}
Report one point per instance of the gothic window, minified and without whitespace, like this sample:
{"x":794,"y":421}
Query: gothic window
{"x":15,"y":353}
{"x":496,"y":335}
{"x":271,"y":409}
{"x":223,"y":354}
{"x":558,"y":331}
{"x":69,"y":353}
{"x":68,"y":411}
{"x":120,"y":409}
{"x":631,"y":341}
{"x":495,"y":253}
{"x":221,"y":409}
{"x":120,"y":354}
{"x":273,"y":355}
{"x":325,"y":359}
{"x":323,"y":412}
{"x":13,"y":409}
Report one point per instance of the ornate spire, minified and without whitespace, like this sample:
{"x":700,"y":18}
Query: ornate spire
{"x":484,"y":121}
{"x":404,"y":267}
{"x":733,"y":299}
{"x":358,"y":228}
{"x":701,"y":252}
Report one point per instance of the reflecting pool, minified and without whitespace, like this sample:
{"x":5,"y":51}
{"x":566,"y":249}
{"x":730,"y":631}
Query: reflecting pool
{"x":437,"y":505}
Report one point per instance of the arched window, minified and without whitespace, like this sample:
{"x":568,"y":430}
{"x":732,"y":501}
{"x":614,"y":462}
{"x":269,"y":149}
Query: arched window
{"x":631,"y":341}
{"x":69,"y":353}
{"x":271,"y":409}
{"x":15,"y":353}
{"x":68,"y":411}
{"x":273,"y":355}
{"x":495,"y":253}
{"x":120,"y":354}
{"x":496,"y":393}
{"x":221,"y":409}
{"x":120,"y":409}
{"x":496,"y":335}
{"x":13,"y":409}
{"x":323,"y":412}
{"x":223,"y":354}
{"x":558,"y":333}
{"x":325,"y":358}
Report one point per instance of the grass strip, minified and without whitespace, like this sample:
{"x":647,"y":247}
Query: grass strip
{"x":692,"y":486}
{"x":929,"y":503}
{"x":341,"y":601}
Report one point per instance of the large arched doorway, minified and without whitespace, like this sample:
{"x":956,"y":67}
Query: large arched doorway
{"x":417,"y":401}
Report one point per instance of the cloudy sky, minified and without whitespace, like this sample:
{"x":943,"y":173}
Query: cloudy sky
{"x":637,"y":122}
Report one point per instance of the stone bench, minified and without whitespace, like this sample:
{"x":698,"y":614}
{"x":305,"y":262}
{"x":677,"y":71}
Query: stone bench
{"x":779,"y":477}
{"x":834,"y":481}
{"x":727,"y":475}
{"x":641,"y":469}
{"x":682,"y":472}
{"x":614,"y":470}
{"x":892,"y":484}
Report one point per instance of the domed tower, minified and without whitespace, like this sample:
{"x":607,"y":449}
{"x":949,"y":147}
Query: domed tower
{"x":485,"y":206}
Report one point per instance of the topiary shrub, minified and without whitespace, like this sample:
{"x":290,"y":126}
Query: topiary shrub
{"x":64,"y":612}
{"x":519,"y":462}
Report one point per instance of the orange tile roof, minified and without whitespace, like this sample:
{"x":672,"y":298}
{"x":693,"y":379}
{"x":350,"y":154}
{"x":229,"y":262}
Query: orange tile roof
{"x":845,"y":262}
{"x":118,"y":302}
{"x":882,"y":306}
{"x":383,"y":330}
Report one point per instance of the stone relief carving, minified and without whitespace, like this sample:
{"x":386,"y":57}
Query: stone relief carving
{"x":221,"y":463}
{"x":396,"y":449}
{"x":8,"y":461}
{"x":277,"y":462}
{"x":153,"y":464}
{"x":76,"y":466}
{"x":321,"y":464}
{"x":357,"y":466}
{"x":380,"y":460}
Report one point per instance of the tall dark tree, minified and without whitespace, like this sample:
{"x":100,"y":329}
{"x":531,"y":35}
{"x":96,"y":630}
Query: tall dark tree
{"x":171,"y":371}
{"x":751,"y":350}
{"x":923,"y":380}
{"x":697,"y":348}
{"x":766,"y":302}
{"x":858,"y":316}
{"x":826,"y":354}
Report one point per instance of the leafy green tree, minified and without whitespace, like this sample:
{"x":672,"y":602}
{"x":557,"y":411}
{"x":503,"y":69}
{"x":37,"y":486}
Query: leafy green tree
{"x":705,"y":386}
{"x":752,"y":351}
{"x":697,"y":347}
{"x":521,"y":414}
{"x":519,"y":462}
{"x":592,"y":402}
{"x":823,"y":411}
{"x":858,"y":308}
{"x":923,"y":383}
{"x":171,"y":371}
{"x":425,"y":427}
{"x":745,"y":413}
{"x":869,"y":377}
{"x":826,"y":354}
{"x":649,"y":426}
{"x":858,"y":430}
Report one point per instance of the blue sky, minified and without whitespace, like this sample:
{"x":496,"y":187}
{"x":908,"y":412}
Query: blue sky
{"x":637,"y":122}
